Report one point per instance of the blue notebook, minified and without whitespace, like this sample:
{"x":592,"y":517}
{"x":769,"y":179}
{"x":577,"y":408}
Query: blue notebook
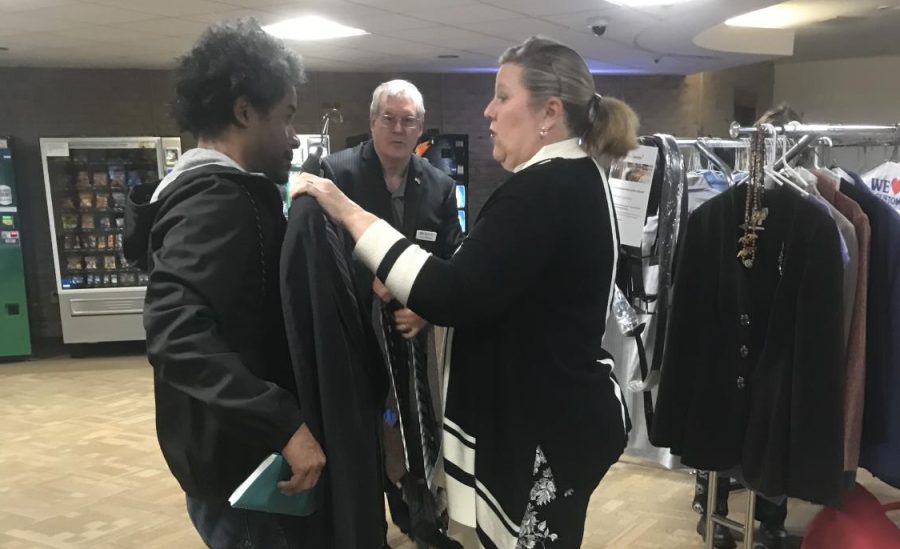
{"x":260,"y":491}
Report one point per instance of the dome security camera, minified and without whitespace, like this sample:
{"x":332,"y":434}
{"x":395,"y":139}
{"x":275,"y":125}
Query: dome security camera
{"x":598,"y":25}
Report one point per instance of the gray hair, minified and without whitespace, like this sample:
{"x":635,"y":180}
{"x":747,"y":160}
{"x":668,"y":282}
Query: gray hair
{"x":396,"y":88}
{"x":606,"y":126}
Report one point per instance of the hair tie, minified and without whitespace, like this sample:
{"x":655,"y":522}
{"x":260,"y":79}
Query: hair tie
{"x":594,"y":106}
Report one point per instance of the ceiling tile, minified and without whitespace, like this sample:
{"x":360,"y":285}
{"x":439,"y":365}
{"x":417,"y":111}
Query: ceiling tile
{"x":456,"y":38}
{"x":169,"y":8}
{"x":545,"y":7}
{"x":12,"y":6}
{"x":89,"y":13}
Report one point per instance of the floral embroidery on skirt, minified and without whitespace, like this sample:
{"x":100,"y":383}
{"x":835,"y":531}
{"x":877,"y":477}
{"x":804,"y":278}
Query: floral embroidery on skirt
{"x":534,"y":533}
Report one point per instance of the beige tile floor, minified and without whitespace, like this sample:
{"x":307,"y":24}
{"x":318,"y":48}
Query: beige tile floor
{"x":80,"y":468}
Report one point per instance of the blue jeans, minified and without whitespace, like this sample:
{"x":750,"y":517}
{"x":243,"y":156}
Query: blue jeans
{"x":223,"y":527}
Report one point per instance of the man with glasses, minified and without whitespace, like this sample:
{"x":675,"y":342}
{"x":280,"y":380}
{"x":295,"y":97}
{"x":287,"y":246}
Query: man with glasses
{"x":384,"y":176}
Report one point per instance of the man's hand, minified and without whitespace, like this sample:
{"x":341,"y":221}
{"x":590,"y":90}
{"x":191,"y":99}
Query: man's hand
{"x":383,"y":293}
{"x":409,"y":323}
{"x":306,"y":459}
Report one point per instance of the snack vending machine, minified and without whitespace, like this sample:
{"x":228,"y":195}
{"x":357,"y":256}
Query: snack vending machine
{"x":15,"y":335}
{"x":450,"y":153}
{"x":101,"y":294}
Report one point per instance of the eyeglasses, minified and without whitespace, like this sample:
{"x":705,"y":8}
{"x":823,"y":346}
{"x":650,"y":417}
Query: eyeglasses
{"x":389,"y":121}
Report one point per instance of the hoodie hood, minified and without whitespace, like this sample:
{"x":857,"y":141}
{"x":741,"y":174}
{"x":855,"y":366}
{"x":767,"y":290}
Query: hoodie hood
{"x":191,"y":160}
{"x":145,"y":201}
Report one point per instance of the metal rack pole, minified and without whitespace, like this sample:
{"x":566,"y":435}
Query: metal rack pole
{"x":841,"y":134}
{"x":747,"y":528}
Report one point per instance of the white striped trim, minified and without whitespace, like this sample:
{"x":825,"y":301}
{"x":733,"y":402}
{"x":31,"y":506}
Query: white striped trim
{"x":612,"y":284}
{"x":375,"y":243}
{"x":458,"y":453}
{"x":402,"y":276}
{"x":497,"y":525}
{"x":617,"y":390}
{"x":461,"y":502}
{"x":450,"y":423}
{"x":615,"y":236}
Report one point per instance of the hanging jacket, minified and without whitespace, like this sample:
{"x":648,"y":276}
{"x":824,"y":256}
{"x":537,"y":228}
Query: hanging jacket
{"x":754,"y":367}
{"x":339,"y":377}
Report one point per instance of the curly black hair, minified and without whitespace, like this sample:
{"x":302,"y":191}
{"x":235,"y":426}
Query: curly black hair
{"x":230,"y":60}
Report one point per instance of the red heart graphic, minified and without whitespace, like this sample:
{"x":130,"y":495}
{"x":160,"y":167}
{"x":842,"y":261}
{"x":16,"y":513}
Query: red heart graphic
{"x":895,"y":186}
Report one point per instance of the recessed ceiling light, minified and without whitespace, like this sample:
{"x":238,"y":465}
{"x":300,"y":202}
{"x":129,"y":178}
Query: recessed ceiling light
{"x":448,"y":56}
{"x":311,"y":27}
{"x":643,"y":3}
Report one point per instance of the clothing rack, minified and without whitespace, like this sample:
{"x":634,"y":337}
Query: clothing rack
{"x":820,"y":136}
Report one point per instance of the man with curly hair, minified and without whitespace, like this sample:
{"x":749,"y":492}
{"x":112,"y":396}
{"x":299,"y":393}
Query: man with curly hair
{"x":210,"y":235}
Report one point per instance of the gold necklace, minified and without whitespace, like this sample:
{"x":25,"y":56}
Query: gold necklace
{"x":754,"y":212}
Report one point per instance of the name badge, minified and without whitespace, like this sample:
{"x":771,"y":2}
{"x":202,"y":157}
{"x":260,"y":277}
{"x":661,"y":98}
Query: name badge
{"x":426,"y":236}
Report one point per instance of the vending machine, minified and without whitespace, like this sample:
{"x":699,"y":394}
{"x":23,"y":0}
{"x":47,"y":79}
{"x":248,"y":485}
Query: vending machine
{"x":101,"y":294}
{"x":15,"y":335}
{"x":450,"y":153}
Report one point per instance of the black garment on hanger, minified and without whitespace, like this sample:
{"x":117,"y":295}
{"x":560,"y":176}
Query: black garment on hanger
{"x":340,"y":379}
{"x":753,"y":372}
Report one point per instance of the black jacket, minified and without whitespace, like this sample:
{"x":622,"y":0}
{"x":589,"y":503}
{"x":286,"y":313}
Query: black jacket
{"x":340,"y":379}
{"x":753,"y":369}
{"x":224,"y":386}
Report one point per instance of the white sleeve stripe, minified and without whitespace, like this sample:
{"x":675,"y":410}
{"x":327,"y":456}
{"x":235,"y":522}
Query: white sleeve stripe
{"x":375,"y":243}
{"x":403,"y":275}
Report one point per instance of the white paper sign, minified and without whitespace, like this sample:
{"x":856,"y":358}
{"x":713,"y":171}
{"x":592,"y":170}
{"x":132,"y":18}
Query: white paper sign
{"x":885,"y":182}
{"x":630,"y":179}
{"x":57,"y":149}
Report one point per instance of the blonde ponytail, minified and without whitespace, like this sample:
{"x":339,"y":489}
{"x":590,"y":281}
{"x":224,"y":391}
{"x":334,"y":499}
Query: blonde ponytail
{"x":613,"y":128}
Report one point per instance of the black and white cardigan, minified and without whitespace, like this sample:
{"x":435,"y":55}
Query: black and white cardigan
{"x":528,"y":293}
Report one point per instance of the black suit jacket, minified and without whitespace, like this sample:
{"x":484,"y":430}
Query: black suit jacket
{"x":340,"y":382}
{"x":429,"y":202}
{"x":753,"y":370}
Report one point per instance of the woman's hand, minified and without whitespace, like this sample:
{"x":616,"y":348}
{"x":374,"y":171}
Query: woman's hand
{"x":330,"y":198}
{"x":339,"y":208}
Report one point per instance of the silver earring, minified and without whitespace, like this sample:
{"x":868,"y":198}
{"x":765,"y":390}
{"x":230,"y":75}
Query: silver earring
{"x":543,"y":132}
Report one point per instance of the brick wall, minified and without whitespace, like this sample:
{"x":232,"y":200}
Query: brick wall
{"x":37,"y":103}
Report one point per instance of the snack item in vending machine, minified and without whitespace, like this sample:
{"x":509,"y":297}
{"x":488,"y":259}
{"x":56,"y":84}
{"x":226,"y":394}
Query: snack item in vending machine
{"x":90,"y":262}
{"x":83,"y":181}
{"x":112,"y":241}
{"x":67,"y":203}
{"x":101,"y":242}
{"x":101,"y":180}
{"x":117,"y":177}
{"x":114,"y":279}
{"x":120,"y":222}
{"x":143,"y":279}
{"x":134,"y":178}
{"x":118,"y":200}
{"x":73,"y":263}
{"x":89,"y":241}
{"x":109,"y":262}
{"x":85,"y":200}
{"x":87,"y":222}
{"x":70,"y":221}
{"x":105,"y":222}
{"x":69,"y":242}
{"x":102,"y":201}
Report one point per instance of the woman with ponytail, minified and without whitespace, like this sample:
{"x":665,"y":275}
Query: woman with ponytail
{"x":533,"y":416}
